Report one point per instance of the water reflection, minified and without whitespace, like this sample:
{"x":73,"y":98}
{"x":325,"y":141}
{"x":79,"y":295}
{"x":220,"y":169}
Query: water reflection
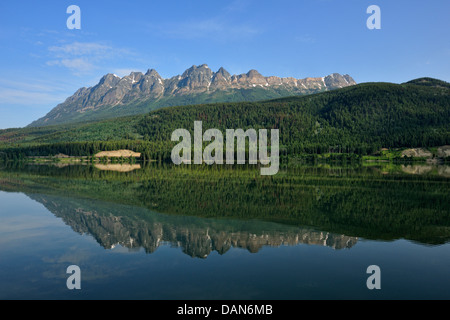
{"x":204,"y":209}
{"x":424,"y":169}
{"x":223,"y":214}
{"x":125,"y":167}
{"x":133,"y":228}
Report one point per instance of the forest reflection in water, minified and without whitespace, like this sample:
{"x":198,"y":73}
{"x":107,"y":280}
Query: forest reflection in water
{"x":205,"y":209}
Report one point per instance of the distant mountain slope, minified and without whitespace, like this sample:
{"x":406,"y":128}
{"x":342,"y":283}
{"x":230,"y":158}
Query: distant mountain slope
{"x":430,"y":82}
{"x":140,"y":93}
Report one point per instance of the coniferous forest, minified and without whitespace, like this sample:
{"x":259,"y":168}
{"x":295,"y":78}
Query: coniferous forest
{"x":357,"y":120}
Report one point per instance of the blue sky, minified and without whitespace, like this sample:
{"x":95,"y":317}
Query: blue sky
{"x":43,"y":62}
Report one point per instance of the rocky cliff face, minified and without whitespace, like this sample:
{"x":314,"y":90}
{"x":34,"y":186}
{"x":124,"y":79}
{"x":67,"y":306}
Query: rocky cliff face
{"x":113,"y":91}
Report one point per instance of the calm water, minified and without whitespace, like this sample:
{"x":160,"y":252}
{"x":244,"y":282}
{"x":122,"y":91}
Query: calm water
{"x":161,"y":232}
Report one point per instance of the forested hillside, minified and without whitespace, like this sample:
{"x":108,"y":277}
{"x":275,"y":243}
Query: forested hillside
{"x":358,"y":119}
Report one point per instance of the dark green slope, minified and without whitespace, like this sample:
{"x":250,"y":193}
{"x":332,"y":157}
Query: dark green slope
{"x":370,"y":114}
{"x":145,"y":106}
{"x":430,"y":82}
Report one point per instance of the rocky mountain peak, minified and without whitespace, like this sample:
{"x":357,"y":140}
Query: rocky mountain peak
{"x":221,"y":79}
{"x":223,"y":73}
{"x":336,"y":80}
{"x":194,"y":70}
{"x":253,"y":74}
{"x":109,"y":79}
{"x":134,"y":76}
{"x":198,"y":80}
{"x":152,"y":73}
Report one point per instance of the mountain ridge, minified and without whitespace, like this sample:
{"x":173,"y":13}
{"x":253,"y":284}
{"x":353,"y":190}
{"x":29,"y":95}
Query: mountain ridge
{"x":358,"y":119}
{"x":139,"y":93}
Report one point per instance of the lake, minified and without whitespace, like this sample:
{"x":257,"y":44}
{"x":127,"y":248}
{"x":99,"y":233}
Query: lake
{"x":158,"y":231}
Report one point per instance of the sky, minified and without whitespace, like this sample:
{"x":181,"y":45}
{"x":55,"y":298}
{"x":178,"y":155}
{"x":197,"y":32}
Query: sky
{"x":42,"y":62}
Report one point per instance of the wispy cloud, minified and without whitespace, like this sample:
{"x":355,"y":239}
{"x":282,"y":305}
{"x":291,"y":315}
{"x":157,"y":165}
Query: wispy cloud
{"x":225,"y":25}
{"x":305,"y":38}
{"x":80,"y":48}
{"x":31,"y":92}
{"x":23,"y":97}
{"x":237,"y":6}
{"x":212,"y":28}
{"x":83,"y":57}
{"x":77,"y":65}
{"x":33,"y":85}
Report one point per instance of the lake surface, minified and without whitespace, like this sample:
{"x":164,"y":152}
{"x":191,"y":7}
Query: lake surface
{"x":190,"y":232}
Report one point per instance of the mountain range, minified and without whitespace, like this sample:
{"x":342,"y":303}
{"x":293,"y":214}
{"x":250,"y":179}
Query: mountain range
{"x":140,"y":93}
{"x":357,"y":119}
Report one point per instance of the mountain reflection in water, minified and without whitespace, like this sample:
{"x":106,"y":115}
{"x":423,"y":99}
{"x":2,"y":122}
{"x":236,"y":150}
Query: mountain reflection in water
{"x":210,"y":208}
{"x":197,"y":237}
